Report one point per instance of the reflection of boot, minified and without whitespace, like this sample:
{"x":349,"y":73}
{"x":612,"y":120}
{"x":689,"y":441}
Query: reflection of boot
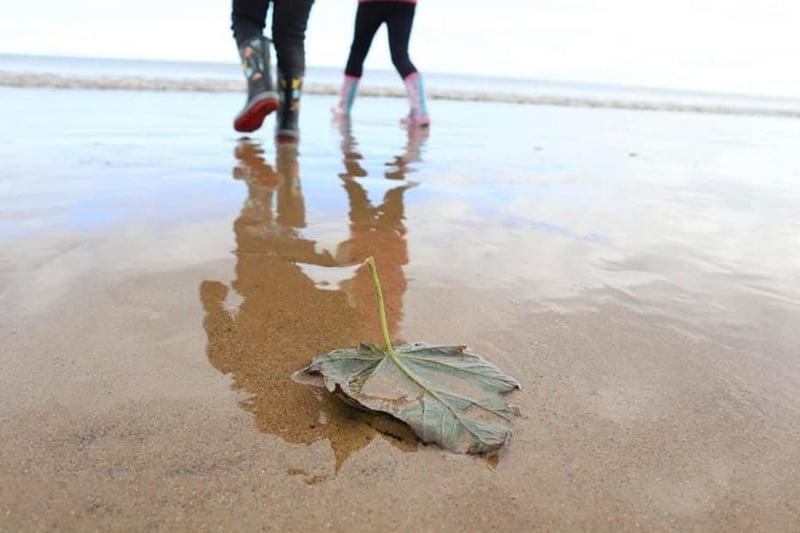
{"x":418,"y":106}
{"x":289,"y":91}
{"x":353,"y":167}
{"x":291,"y":206}
{"x":346,"y":96}
{"x":349,"y":148}
{"x":345,"y":128}
{"x":261,"y":182}
{"x":252,"y":167}
{"x":416,"y":137}
{"x":261,"y":97}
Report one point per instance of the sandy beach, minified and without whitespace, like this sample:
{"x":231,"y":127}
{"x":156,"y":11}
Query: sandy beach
{"x":161,"y":279}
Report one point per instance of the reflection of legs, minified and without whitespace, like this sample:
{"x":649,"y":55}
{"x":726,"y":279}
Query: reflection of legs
{"x":254,"y":50}
{"x":352,"y":166}
{"x":219,"y":325}
{"x":369,"y":17}
{"x":291,"y":206}
{"x":416,"y":136}
{"x":391,"y":212}
{"x":253,"y":168}
{"x":289,"y":22}
{"x":349,"y":149}
{"x":361,"y":211}
{"x":388,"y":217}
{"x":377,"y":232}
{"x":261,"y":180}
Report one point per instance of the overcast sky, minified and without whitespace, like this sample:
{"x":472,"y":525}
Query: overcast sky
{"x":726,"y":45}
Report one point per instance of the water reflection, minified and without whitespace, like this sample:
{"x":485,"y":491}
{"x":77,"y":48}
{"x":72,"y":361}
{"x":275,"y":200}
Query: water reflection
{"x":400,"y":165}
{"x":376,"y":230}
{"x":285,"y":318}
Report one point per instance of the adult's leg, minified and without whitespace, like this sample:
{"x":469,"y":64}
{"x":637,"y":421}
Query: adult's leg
{"x":289,"y":22}
{"x":248,"y":18}
{"x":369,"y":17}
{"x":399,"y":23}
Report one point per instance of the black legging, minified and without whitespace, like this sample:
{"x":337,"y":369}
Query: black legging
{"x":289,"y":21}
{"x":399,"y":17}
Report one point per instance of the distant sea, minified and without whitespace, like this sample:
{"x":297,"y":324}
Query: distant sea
{"x":129,"y":74}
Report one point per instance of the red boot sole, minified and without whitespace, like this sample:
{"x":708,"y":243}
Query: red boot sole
{"x":252,"y":118}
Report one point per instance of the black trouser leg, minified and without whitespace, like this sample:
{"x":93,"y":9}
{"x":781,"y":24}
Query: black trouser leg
{"x":369,"y":17}
{"x":289,"y":22}
{"x":399,"y":24}
{"x":248,"y":19}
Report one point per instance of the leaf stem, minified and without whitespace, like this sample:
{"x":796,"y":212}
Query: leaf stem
{"x":381,"y":309}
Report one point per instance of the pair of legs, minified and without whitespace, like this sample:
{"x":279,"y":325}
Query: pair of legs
{"x":399,"y":19}
{"x":289,"y":22}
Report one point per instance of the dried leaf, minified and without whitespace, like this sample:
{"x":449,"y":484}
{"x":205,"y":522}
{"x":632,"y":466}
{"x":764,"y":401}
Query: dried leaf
{"x":446,"y":394}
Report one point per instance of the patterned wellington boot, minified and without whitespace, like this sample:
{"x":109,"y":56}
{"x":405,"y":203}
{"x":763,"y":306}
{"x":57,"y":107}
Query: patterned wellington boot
{"x":290,"y":88}
{"x":346,"y":97}
{"x":418,"y":106}
{"x":261,"y":97}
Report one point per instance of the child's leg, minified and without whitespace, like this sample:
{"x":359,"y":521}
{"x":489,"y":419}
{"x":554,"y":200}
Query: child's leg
{"x":369,"y":17}
{"x":399,"y":25}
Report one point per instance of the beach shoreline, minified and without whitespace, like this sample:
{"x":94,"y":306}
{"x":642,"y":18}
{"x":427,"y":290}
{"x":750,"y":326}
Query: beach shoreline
{"x":139,"y":75}
{"x":138,"y":83}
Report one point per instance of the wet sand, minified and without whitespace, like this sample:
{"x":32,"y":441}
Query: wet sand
{"x":160,"y":280}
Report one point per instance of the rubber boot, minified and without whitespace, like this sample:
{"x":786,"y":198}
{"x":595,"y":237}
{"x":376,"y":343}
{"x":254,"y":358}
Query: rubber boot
{"x":261,"y":96}
{"x":290,"y":88}
{"x":418,"y":107}
{"x":346,"y":97}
